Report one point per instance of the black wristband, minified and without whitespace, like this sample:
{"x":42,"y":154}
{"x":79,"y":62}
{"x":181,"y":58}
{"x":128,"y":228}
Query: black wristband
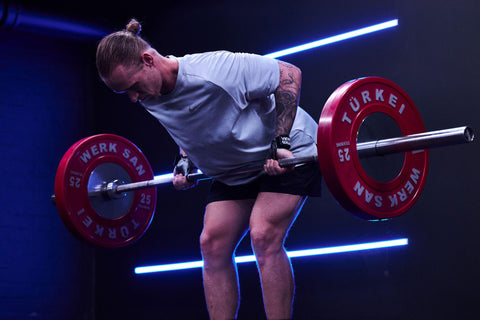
{"x":183,"y":165}
{"x":282,"y":142}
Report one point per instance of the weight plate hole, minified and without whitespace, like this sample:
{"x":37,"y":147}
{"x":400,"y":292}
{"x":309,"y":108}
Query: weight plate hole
{"x":378,"y":126}
{"x":109,"y":208}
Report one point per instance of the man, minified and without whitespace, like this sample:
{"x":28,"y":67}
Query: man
{"x":224,"y":110}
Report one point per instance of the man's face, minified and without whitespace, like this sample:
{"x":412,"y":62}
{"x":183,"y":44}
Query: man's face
{"x":140,"y":82}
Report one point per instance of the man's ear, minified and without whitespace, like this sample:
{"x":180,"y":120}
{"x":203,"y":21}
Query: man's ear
{"x":147,"y":59}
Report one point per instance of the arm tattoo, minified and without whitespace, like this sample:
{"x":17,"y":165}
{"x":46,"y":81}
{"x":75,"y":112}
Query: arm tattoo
{"x":286,"y":97}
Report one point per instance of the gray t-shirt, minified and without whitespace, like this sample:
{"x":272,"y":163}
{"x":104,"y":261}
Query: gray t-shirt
{"x":222,"y":113}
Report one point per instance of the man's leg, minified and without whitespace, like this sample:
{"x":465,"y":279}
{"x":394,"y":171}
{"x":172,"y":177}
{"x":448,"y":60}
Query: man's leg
{"x":225,"y":224}
{"x":271,"y":218}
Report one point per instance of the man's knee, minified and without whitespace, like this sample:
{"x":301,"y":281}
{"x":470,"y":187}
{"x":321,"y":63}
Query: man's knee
{"x":214,"y":251}
{"x":266,"y":241}
{"x":208,"y":244}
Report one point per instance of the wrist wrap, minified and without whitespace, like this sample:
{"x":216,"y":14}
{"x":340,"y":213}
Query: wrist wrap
{"x":283,"y":142}
{"x":183,"y":165}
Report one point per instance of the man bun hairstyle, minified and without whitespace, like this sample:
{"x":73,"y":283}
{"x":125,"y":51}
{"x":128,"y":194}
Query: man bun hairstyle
{"x":122,"y":47}
{"x":134,"y":27}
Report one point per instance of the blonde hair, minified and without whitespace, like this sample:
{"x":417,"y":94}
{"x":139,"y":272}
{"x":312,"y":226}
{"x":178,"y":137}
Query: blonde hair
{"x":122,"y":47}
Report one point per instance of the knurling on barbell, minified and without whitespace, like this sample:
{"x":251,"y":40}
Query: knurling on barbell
{"x":104,"y":186}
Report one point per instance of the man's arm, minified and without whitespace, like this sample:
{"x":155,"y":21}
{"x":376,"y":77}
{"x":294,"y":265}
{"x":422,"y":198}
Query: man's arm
{"x":286,"y":97}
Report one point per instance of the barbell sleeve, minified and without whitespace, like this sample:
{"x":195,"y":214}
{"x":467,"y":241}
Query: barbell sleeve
{"x":419,"y":141}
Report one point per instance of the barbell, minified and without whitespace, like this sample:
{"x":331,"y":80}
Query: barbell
{"x":104,"y":185}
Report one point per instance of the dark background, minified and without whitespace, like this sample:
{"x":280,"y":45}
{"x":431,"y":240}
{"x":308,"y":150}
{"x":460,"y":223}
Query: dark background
{"x":51,"y":97}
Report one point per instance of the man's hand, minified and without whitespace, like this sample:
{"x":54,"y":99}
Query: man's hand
{"x":272,"y":168}
{"x":180,"y":182}
{"x":183,"y":167}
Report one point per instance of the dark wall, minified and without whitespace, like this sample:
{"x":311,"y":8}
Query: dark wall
{"x":44,"y":106}
{"x":432,"y":55}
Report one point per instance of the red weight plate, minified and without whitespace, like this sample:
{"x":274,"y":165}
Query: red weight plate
{"x":353,"y":188}
{"x":73,"y":202}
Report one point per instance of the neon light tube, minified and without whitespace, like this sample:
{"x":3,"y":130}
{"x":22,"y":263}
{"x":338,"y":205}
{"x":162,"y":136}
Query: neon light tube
{"x":291,"y":254}
{"x":344,"y":36}
{"x":168,"y":177}
{"x":333,"y":39}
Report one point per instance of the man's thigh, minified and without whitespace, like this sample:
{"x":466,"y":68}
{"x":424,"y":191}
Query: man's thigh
{"x":227,"y":221}
{"x":275,"y":211}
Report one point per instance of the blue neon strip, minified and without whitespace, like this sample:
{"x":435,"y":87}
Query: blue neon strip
{"x":291,"y":254}
{"x":164,"y":176}
{"x":333,"y":39}
{"x":168,"y":177}
{"x":315,"y":44}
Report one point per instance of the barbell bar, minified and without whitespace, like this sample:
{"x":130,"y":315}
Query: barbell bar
{"x":425,"y":140}
{"x":104,"y":186}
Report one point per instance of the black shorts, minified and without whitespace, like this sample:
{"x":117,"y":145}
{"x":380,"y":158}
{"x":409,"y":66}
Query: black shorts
{"x":305,"y":180}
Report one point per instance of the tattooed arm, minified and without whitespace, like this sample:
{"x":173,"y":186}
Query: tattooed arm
{"x":286,"y":97}
{"x":286,"y":101}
